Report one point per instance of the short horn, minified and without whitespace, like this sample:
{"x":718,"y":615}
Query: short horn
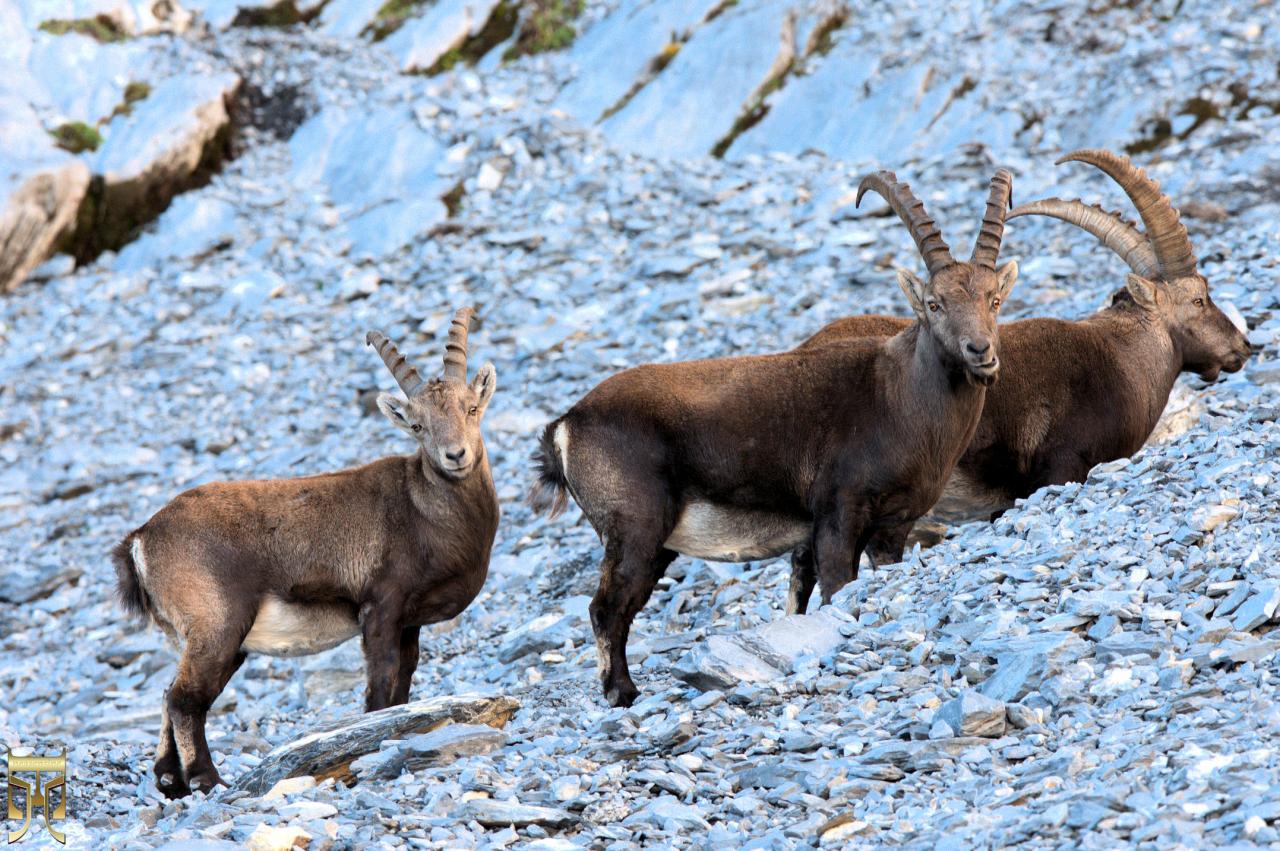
{"x":911,"y":210}
{"x":986,"y":249}
{"x":406,"y":376}
{"x":1110,"y":229}
{"x":455,"y":351}
{"x":1168,"y":236}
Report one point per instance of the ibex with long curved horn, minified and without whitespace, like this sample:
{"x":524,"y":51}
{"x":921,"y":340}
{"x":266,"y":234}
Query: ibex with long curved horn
{"x":1076,"y":394}
{"x":745,"y":458}
{"x":294,"y":566}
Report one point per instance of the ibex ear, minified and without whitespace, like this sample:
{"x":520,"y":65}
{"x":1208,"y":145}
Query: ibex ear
{"x":915,"y":289}
{"x":393,"y":409}
{"x":1144,"y":292}
{"x":484,"y":383}
{"x":1006,"y":276}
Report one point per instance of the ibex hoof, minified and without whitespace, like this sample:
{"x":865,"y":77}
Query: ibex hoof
{"x":622,"y":695}
{"x":172,"y":786}
{"x":205,"y":781}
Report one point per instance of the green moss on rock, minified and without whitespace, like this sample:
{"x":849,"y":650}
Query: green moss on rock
{"x":101,"y":28}
{"x":546,"y":25}
{"x":77,"y":137}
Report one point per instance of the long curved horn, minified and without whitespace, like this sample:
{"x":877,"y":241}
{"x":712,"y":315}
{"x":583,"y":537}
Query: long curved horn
{"x":1110,"y":229}
{"x":1165,"y":231}
{"x":911,"y":210}
{"x":987,"y":246}
{"x":455,"y":351}
{"x":406,"y":376}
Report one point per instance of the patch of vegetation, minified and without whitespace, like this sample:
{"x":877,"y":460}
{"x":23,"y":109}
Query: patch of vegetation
{"x":719,"y":10}
{"x":822,"y":38}
{"x":133,"y":93}
{"x":101,"y":28}
{"x":546,"y":25}
{"x":282,"y":14}
{"x":453,"y":199}
{"x":77,"y":137}
{"x":656,"y":66}
{"x":390,"y":16}
{"x":501,"y":24}
{"x":754,"y":113}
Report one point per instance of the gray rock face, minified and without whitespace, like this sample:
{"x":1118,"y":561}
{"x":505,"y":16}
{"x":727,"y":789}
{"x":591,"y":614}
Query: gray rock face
{"x":439,"y":747}
{"x":973,"y":714}
{"x":329,"y":750}
{"x":759,"y":655}
{"x":1024,"y":663}
{"x":34,"y":214}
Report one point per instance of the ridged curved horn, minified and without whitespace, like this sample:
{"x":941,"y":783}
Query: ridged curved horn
{"x":1110,"y":229}
{"x":986,"y":248}
{"x":1165,"y":231}
{"x":455,"y":351}
{"x":406,"y":376}
{"x":911,"y":210}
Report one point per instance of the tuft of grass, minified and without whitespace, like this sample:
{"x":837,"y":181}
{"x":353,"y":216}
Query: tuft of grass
{"x":501,"y":24}
{"x":100,"y":28}
{"x":133,"y":93}
{"x":754,"y":113}
{"x":390,"y":16}
{"x":77,"y":137}
{"x":453,"y":199}
{"x":547,"y":25}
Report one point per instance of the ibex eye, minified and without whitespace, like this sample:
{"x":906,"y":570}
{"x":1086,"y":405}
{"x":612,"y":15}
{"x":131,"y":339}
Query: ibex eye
{"x":1199,"y":302}
{"x":995,"y":302}
{"x":473,"y":410}
{"x":933,"y":306}
{"x":417,"y":427}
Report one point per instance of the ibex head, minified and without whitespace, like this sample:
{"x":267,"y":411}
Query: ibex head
{"x":442,"y":414}
{"x":959,"y":303}
{"x":1165,"y":278}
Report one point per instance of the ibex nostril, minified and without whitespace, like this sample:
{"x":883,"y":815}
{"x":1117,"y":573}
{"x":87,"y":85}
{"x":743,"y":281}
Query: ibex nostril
{"x":457,"y":454}
{"x":980,"y":347}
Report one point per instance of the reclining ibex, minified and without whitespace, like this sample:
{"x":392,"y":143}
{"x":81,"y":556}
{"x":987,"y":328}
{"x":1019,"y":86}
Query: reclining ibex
{"x":296,"y":566}
{"x":744,"y":458}
{"x":1076,"y":394}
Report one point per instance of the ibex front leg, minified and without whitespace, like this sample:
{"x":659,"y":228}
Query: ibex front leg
{"x":408,"y":664}
{"x":839,"y":537}
{"x":381,"y":632}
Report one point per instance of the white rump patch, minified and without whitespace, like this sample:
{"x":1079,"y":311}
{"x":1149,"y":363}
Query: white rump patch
{"x":561,"y":438}
{"x":139,"y":560}
{"x":723,"y":533}
{"x":296,"y":629}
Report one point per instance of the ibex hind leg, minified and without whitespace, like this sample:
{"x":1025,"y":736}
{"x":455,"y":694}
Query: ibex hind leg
{"x":211,"y":658}
{"x":634,"y":561}
{"x":804,"y":576}
{"x":168,"y":767}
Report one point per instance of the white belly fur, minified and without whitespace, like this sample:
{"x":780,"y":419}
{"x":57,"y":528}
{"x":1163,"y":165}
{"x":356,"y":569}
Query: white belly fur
{"x":293,"y":629}
{"x":723,"y":533}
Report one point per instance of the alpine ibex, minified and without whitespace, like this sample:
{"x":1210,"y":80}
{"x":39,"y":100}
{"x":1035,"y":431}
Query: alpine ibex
{"x":1076,"y":394}
{"x":295,"y":566}
{"x":744,"y":458}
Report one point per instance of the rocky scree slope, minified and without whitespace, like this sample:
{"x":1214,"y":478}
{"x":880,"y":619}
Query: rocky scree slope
{"x":1097,"y":667}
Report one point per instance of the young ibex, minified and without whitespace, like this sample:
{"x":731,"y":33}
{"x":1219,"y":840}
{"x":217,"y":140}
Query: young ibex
{"x":744,"y":458}
{"x":295,"y":566}
{"x":1076,"y":394}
